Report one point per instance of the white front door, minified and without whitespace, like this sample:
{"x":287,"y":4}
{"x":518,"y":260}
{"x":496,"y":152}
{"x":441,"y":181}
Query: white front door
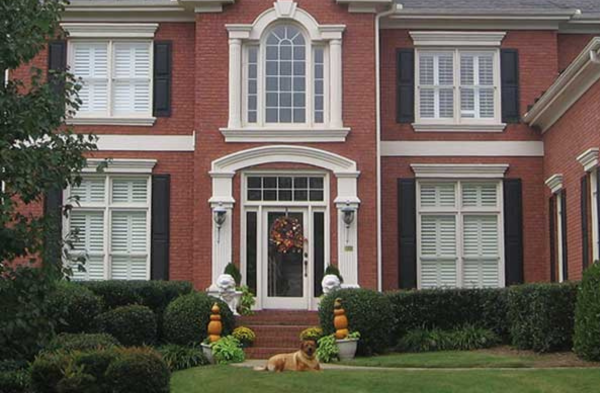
{"x":285,"y":275}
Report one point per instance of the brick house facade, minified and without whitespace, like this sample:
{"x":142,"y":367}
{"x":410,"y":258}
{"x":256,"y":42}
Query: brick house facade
{"x":399,"y":135}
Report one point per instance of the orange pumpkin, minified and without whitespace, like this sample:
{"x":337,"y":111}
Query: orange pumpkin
{"x":215,"y":327}
{"x":340,"y":320}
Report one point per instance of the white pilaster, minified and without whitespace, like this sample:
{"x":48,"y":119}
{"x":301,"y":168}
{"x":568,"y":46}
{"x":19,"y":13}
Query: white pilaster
{"x":348,"y":246}
{"x":235,"y":82}
{"x":335,"y":50}
{"x":222,"y":241}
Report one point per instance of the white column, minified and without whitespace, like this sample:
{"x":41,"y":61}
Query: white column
{"x":221,"y":240}
{"x":235,"y":83}
{"x":335,"y":54}
{"x":348,"y":246}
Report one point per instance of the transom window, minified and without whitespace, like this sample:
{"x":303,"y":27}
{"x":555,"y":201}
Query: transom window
{"x":458,"y":86}
{"x":286,"y":188}
{"x":111,"y":223}
{"x":116,"y":77}
{"x":460,"y":234}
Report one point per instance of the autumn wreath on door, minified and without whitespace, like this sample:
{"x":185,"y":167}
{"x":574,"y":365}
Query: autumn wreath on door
{"x":287,"y":235}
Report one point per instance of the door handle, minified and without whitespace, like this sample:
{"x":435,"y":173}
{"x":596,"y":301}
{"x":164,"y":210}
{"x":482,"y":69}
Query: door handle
{"x":306,"y":268}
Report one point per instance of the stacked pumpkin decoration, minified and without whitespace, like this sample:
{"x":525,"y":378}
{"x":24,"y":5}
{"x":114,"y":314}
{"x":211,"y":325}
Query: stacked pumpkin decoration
{"x":340,"y":320}
{"x":215,"y":326}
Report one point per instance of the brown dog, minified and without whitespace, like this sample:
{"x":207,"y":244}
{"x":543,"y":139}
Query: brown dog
{"x":303,"y":360}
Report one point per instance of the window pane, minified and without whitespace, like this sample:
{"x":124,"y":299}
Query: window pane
{"x":446,"y":103}
{"x":91,"y":190}
{"x":129,"y":232}
{"x":438,"y":236}
{"x":481,"y":251}
{"x":480,"y":195}
{"x":131,"y":76}
{"x":438,"y":195}
{"x":251,"y":241}
{"x":486,"y":103}
{"x":426,"y":69}
{"x":446,"y":70}
{"x":130,"y":191}
{"x":319,"y":86}
{"x":124,"y":267}
{"x":253,"y":84}
{"x":427,"y":103}
{"x":90,"y":62}
{"x":318,"y":251}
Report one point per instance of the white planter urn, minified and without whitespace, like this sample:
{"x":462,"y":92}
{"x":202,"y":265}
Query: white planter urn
{"x":207,"y":351}
{"x":347,"y":348}
{"x":224,"y":289}
{"x":330,"y":283}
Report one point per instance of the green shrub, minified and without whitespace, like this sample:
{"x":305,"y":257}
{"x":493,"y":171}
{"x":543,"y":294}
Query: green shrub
{"x":81,"y":342}
{"x":179,"y":357}
{"x":234,"y":272}
{"x":448,"y":309}
{"x":247,"y":301}
{"x":95,"y":363}
{"x":586,"y":339}
{"x":369,"y":312}
{"x":114,"y":293}
{"x":228,"y":350}
{"x":47,"y":370}
{"x":76,"y":381}
{"x":541,"y":316}
{"x":132,"y":325}
{"x":12,"y":365}
{"x":14,"y":381}
{"x":138,"y":370}
{"x":186,"y":318}
{"x":461,"y":339}
{"x":75,"y":307}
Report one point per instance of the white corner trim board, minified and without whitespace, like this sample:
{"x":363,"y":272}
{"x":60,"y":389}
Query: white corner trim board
{"x":460,"y":171}
{"x":112,"y":142}
{"x":462,"y":149}
{"x":120,"y":165}
{"x":457,"y":38}
{"x":574,"y":82}
{"x":555,"y":182}
{"x":110,"y":30}
{"x":589,"y":159}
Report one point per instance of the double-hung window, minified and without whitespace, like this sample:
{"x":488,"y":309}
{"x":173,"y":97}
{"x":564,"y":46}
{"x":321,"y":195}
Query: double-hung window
{"x":460,"y":233}
{"x":116,"y":77}
{"x":110,"y":225}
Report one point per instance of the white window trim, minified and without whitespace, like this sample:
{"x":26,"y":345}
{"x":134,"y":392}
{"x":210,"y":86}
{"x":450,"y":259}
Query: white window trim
{"x":120,"y":165}
{"x":241,"y":36}
{"x":555,"y":183}
{"x":457,"y":38}
{"x":108,"y":208}
{"x":110,"y":30}
{"x":590,"y":160}
{"x":458,"y":123}
{"x":459,"y":212}
{"x":460,"y":171}
{"x":108,"y":118}
{"x":559,"y":236}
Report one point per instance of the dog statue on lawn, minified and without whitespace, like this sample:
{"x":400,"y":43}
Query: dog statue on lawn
{"x":303,"y":360}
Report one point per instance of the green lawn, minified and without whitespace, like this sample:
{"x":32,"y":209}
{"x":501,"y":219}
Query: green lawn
{"x":232,"y":379}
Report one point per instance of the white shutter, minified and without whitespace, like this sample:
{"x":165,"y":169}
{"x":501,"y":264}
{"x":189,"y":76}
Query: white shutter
{"x":129,"y":235}
{"x":91,"y":190}
{"x":445,"y":79}
{"x":438,"y":251}
{"x":129,"y":268}
{"x":89,"y":242}
{"x":130,"y":190}
{"x":467,"y":81}
{"x":90,"y":62}
{"x":438,"y":195}
{"x":426,"y":82}
{"x":486,"y":83}
{"x":481,"y":251}
{"x":478,"y":195}
{"x":131,"y":90}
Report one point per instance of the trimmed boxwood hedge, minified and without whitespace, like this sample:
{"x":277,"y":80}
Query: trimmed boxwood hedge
{"x":132,"y":325}
{"x":587,"y":316}
{"x":75,"y":307}
{"x":369,"y":312}
{"x":81,"y":342}
{"x":449,"y":309}
{"x":138,"y":370}
{"x":186,"y":318}
{"x":541,"y":316}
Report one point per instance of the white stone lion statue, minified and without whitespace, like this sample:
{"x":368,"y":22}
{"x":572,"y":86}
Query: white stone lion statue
{"x":330,"y":283}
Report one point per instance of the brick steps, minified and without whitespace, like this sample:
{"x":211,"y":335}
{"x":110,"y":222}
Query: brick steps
{"x":277,"y":331}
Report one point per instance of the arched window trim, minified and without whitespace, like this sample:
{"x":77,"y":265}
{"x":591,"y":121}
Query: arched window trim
{"x":242,"y":38}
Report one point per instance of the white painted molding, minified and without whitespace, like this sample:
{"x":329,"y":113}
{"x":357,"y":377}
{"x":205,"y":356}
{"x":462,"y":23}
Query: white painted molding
{"x":291,"y":135}
{"x":120,"y":165}
{"x":574,"y":82}
{"x":110,"y":30}
{"x":462,"y":149}
{"x":117,"y":142}
{"x":206,"y":6}
{"x":589,"y":159}
{"x":132,"y":11}
{"x":555,"y":183}
{"x":460,"y":171}
{"x":424,"y":127}
{"x":457,"y":38}
{"x":112,"y":121}
{"x":364,"y":6}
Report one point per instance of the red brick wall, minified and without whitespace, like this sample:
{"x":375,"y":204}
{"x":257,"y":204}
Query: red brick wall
{"x":529,"y":170}
{"x":572,"y":135}
{"x":569,"y":47}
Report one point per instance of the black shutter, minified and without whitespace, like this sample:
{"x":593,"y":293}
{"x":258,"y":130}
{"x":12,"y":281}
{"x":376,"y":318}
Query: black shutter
{"x":161,"y":191}
{"x":563,"y":219}
{"x":57,"y":62}
{"x":407,"y":233}
{"x":585,"y":236}
{"x":552,"y":227}
{"x":509,"y":66}
{"x":405,"y":95}
{"x":598,"y":204}
{"x":513,"y":231}
{"x":53,"y":211}
{"x":162,"y":79}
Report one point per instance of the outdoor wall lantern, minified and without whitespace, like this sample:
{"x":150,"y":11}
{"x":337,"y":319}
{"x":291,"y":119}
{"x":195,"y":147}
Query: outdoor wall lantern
{"x":219,"y":215}
{"x":348,"y":216}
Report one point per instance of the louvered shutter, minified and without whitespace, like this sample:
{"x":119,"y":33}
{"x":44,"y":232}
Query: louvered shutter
{"x":476,"y":195}
{"x":129,"y":246}
{"x":57,"y":63}
{"x":53,"y":240}
{"x":445,"y":79}
{"x":481,"y":252}
{"x":162,"y":78}
{"x":477,"y":86}
{"x":407,"y":233}
{"x":438,"y":251}
{"x":509,"y":70}
{"x":565,"y":254}
{"x":131,"y":89}
{"x":89,"y":243}
{"x":405,"y":79}
{"x":161,"y":206}
{"x":91,"y":190}
{"x":90,"y":62}
{"x":513,"y":231}
{"x":130,"y":190}
{"x":427,"y":90}
{"x":585,"y":237}
{"x":438,"y":195}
